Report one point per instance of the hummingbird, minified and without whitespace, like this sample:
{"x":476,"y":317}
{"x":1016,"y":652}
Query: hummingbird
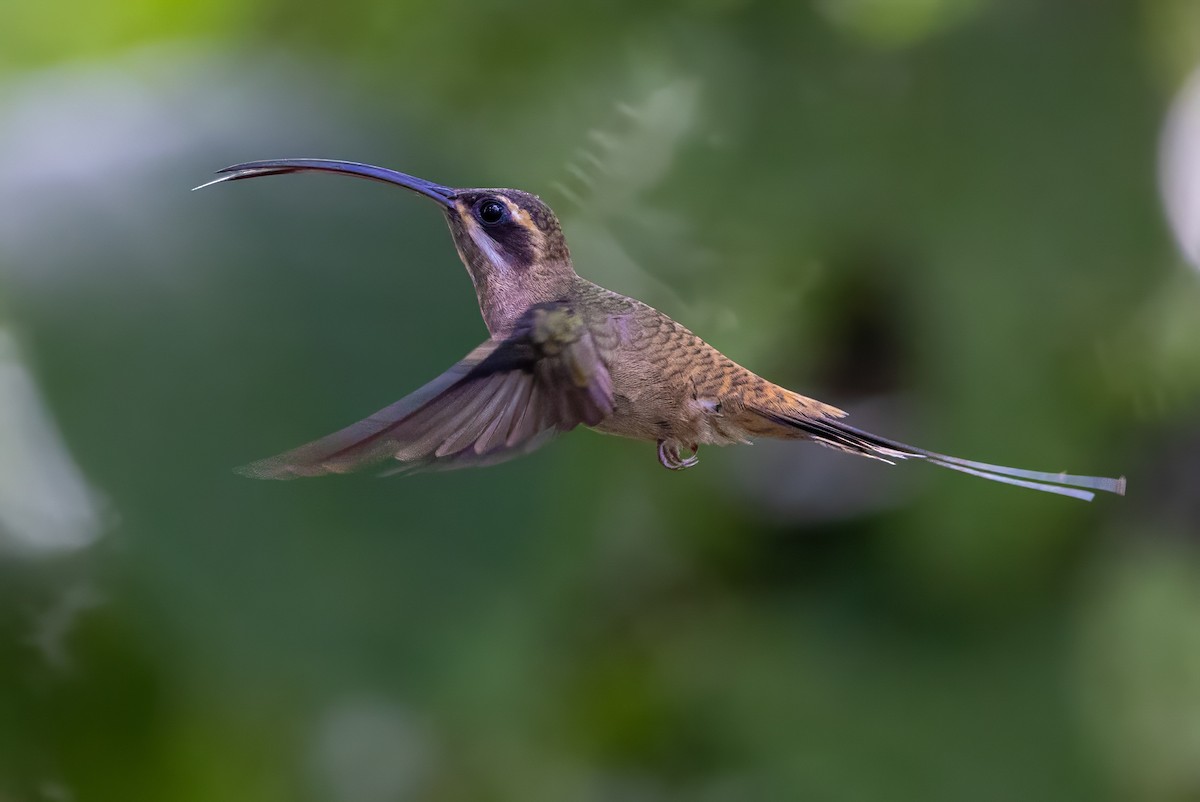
{"x":564,"y":352}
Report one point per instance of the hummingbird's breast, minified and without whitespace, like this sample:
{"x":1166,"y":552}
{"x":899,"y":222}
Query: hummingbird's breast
{"x":668,"y":384}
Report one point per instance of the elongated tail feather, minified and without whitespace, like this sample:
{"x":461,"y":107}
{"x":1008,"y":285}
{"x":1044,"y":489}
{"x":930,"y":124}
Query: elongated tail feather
{"x":836,"y":434}
{"x":1085,"y":495}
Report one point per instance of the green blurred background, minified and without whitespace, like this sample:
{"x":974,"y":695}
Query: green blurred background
{"x":941,"y":215}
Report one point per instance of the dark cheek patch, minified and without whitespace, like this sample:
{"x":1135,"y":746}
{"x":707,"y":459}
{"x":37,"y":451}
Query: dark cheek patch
{"x":517,"y":245}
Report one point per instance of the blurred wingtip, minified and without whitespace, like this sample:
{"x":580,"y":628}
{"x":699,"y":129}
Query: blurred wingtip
{"x":269,"y":468}
{"x":295,"y":464}
{"x":256,"y":470}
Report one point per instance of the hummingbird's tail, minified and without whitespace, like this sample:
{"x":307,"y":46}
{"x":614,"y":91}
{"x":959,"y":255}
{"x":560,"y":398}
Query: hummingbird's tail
{"x":834,"y":433}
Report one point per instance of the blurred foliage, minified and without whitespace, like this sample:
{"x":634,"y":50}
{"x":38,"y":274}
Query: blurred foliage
{"x":940,"y":215}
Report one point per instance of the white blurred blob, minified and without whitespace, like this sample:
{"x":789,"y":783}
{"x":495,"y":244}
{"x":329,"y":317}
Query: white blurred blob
{"x":45,"y":503}
{"x":114,"y":146}
{"x":371,"y":751}
{"x":55,"y":791}
{"x":117,"y":144}
{"x":1179,"y":168}
{"x":52,"y":627}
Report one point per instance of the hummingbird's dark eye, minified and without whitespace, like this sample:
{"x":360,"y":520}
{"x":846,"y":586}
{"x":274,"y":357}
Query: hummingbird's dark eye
{"x":492,"y":211}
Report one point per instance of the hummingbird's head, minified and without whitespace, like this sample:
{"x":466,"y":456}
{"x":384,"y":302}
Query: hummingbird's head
{"x":505,"y":230}
{"x":509,"y":240}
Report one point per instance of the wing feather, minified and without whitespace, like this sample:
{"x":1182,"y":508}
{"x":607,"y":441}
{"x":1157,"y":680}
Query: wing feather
{"x":496,"y":435}
{"x":504,"y":399}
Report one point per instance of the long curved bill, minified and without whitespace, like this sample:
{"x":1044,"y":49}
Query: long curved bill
{"x":236,"y":172}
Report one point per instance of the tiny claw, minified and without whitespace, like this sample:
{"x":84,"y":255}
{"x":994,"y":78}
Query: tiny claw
{"x":668,"y":455}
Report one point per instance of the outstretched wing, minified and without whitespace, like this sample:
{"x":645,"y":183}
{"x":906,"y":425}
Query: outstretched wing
{"x":504,"y":399}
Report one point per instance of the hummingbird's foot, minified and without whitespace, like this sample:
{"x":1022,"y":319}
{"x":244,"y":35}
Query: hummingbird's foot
{"x":668,"y":455}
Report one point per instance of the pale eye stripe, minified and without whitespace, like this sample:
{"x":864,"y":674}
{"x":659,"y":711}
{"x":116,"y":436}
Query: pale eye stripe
{"x":488,"y":246}
{"x":520,"y":215}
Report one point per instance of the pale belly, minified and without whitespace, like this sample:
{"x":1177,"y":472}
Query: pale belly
{"x":672,"y":415}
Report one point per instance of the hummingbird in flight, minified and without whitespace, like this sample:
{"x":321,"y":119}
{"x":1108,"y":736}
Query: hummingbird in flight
{"x":565,"y":352}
